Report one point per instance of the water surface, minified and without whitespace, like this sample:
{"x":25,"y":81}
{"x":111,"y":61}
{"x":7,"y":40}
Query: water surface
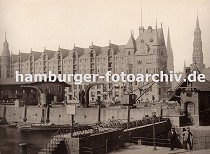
{"x":10,"y":138}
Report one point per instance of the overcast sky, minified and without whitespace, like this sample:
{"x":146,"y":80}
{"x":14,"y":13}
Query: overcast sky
{"x":39,"y":24}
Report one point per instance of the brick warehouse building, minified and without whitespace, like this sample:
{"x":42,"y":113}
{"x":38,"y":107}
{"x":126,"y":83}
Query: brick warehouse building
{"x":145,"y":54}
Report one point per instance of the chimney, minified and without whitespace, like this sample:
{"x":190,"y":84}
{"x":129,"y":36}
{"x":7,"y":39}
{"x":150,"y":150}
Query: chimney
{"x":150,"y":28}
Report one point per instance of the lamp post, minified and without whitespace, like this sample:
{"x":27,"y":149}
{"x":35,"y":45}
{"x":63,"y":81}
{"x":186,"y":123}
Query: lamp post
{"x":153,"y":128}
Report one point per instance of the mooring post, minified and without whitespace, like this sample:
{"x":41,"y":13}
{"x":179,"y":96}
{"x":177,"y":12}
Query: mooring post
{"x":23,"y":148}
{"x":72,"y":125}
{"x":25,"y":114}
{"x":42,"y":117}
{"x":4,"y":111}
{"x":48,"y":114}
{"x":99,"y":109}
{"x":106,"y":145}
{"x":128,"y":120}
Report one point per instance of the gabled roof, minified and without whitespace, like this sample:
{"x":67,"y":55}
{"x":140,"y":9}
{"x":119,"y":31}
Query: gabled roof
{"x":36,"y":54}
{"x":200,"y":86}
{"x":97,"y":49}
{"x":131,"y":43}
{"x":79,"y":50}
{"x":14,"y":57}
{"x":148,"y":36}
{"x":114,"y":47}
{"x":49,"y":53}
{"x":121,"y":50}
{"x":86,"y":53}
{"x":24,"y":56}
{"x":64,"y":52}
{"x":104,"y":51}
{"x":206,"y":71}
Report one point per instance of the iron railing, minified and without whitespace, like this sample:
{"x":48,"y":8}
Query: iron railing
{"x":149,"y":140}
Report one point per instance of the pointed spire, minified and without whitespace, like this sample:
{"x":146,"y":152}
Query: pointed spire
{"x":168,"y":40}
{"x":5,"y":52}
{"x":197,"y":23}
{"x":170,"y":59}
{"x":131,"y":42}
{"x":156,"y":40}
{"x":5,"y":36}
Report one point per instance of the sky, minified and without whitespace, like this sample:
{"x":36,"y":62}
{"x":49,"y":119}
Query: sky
{"x":38,"y":24}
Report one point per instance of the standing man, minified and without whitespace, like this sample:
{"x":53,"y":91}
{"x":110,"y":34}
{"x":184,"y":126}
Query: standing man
{"x":187,"y":138}
{"x":172,"y":136}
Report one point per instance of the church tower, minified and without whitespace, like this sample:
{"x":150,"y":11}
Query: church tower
{"x":5,"y":60}
{"x":197,"y":58}
{"x":170,"y":57}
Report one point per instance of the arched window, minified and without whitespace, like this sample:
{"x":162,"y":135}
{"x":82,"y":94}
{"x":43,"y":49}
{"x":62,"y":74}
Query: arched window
{"x":91,"y":54}
{"x":74,"y":55}
{"x":31,"y":58}
{"x":59,"y":55}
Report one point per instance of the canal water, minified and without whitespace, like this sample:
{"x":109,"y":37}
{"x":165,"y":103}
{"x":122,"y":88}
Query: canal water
{"x":10,"y":138}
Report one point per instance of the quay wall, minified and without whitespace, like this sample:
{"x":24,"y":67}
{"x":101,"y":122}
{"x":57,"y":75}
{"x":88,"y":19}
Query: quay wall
{"x":58,"y":115}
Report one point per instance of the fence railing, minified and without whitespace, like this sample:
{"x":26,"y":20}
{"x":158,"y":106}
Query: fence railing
{"x":56,"y":138}
{"x":149,"y":140}
{"x":104,"y":148}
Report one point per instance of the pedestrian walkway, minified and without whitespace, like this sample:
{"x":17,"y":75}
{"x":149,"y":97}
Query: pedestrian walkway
{"x":136,"y":149}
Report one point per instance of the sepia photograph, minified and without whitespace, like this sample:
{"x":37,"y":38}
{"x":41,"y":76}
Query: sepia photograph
{"x":104,"y":76}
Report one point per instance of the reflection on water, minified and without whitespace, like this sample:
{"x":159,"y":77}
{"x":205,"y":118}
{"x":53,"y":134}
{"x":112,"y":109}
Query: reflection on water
{"x":11,"y":137}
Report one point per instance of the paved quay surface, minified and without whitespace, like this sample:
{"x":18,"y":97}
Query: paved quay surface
{"x":136,"y":149}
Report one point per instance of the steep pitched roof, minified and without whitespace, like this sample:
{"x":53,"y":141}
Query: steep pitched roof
{"x":14,"y":57}
{"x":24,"y":56}
{"x":36,"y":54}
{"x":49,"y":53}
{"x":148,"y":36}
{"x":64,"y":52}
{"x":114,"y":47}
{"x":200,"y":86}
{"x":104,"y":51}
{"x":131,"y":43}
{"x":121,"y":50}
{"x":97,"y":49}
{"x":79,"y":50}
{"x":206,"y":71}
{"x":86,"y":53}
{"x":5,"y":52}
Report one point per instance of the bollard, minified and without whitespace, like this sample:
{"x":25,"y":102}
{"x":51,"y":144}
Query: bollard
{"x":23,"y":148}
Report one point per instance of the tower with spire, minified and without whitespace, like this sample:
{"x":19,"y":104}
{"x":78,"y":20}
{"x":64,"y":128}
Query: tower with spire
{"x":5,"y":60}
{"x":197,"y":57}
{"x":170,"y":58}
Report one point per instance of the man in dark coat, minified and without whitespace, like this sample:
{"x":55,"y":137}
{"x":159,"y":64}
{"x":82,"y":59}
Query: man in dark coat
{"x":172,"y":136}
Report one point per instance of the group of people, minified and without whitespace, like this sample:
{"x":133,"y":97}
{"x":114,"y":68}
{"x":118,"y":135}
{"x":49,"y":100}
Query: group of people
{"x":187,"y":138}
